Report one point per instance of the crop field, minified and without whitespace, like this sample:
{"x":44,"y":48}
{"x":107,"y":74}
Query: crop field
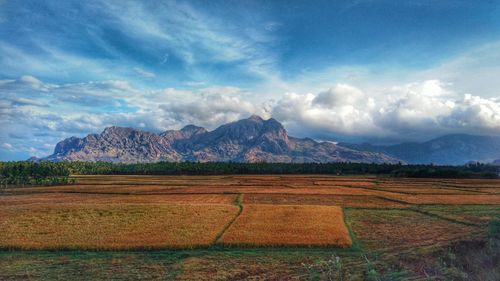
{"x":288,"y":225}
{"x":405,"y":229}
{"x":112,"y":226}
{"x":92,"y":198}
{"x":349,"y":201}
{"x":269,"y":227}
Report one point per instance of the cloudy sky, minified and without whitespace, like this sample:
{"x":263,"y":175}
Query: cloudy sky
{"x":371,"y":70}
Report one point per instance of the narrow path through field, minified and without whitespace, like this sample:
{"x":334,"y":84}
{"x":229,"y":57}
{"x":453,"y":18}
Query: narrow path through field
{"x":237,"y":202}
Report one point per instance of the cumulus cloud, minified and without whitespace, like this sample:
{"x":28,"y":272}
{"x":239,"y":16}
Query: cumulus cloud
{"x":415,"y":111}
{"x":212,"y":109}
{"x":34,"y":114}
{"x":38,"y":113}
{"x":340,"y":95}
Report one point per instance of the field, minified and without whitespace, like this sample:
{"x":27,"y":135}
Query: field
{"x":267,"y":227}
{"x":288,"y":225}
{"x":112,"y":226}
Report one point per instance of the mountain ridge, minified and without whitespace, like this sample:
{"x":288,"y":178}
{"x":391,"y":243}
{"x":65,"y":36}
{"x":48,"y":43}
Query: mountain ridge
{"x":257,"y":140}
{"x":453,"y":149}
{"x":248,"y":140}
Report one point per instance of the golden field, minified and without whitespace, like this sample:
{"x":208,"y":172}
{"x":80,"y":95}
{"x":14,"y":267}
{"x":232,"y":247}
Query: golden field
{"x":135,"y":212}
{"x":288,"y":225}
{"x":112,"y":226}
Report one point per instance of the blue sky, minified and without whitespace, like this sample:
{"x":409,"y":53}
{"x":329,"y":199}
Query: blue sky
{"x":374,"y":70}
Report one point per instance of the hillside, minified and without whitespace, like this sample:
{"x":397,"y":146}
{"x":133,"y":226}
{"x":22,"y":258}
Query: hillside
{"x":457,"y":149}
{"x":248,"y":140}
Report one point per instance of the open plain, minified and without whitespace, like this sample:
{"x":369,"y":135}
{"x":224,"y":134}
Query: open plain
{"x":278,"y":227}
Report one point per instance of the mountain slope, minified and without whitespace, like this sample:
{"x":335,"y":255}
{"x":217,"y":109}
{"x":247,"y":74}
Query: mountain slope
{"x":247,"y":140}
{"x":455,"y":149}
{"x":116,"y":144}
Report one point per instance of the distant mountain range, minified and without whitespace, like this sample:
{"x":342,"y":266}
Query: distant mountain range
{"x":457,"y":149}
{"x":258,"y":140}
{"x":247,"y":140}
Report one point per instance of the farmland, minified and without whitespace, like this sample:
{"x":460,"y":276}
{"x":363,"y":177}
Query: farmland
{"x":288,"y":225}
{"x":234,"y":227}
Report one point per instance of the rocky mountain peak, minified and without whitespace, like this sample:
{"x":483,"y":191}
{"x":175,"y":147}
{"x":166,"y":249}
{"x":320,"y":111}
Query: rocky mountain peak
{"x":194,"y":129}
{"x":115,"y":131}
{"x":256,"y":118}
{"x":248,"y":140}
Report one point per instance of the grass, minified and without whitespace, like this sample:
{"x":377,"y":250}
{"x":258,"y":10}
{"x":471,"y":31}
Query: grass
{"x":288,"y":225}
{"x":112,"y":226}
{"x":426,"y":190}
{"x":397,"y":229}
{"x":448,"y":199}
{"x":353,"y":201}
{"x":400,"y":229}
{"x":92,"y":198}
{"x":473,"y":214}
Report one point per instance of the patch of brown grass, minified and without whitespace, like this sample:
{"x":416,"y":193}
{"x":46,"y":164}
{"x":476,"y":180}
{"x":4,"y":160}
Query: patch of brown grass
{"x":426,"y":190}
{"x":405,"y":229}
{"x":473,"y":214}
{"x":452,"y":199}
{"x":288,"y":225}
{"x":112,"y":226}
{"x":345,"y":183}
{"x":85,"y":198}
{"x":353,"y":201}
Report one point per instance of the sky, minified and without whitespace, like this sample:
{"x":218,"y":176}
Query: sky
{"x":377,"y":71}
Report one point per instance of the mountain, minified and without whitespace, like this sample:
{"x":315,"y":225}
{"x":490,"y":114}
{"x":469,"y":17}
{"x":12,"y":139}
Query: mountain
{"x":248,"y":140}
{"x":457,"y":149}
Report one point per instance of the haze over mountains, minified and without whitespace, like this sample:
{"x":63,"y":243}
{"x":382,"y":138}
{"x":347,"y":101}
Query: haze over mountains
{"x":456,"y":149}
{"x":258,"y":140}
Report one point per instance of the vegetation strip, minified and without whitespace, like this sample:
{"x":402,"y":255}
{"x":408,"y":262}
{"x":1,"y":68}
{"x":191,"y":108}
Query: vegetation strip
{"x":420,"y":211}
{"x":237,"y":202}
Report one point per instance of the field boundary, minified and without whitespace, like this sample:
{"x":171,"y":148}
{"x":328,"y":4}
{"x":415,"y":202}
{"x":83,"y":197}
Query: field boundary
{"x":355,"y":243}
{"x":430,"y":214}
{"x":236,"y":202}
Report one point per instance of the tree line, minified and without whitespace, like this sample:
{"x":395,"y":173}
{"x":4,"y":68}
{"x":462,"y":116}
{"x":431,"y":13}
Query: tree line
{"x":25,"y":173}
{"x":49,"y":173}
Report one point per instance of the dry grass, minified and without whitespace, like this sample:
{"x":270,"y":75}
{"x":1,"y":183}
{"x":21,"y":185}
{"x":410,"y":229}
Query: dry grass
{"x":451,"y":199}
{"x":112,"y":226}
{"x":405,"y":229}
{"x":472,"y":214}
{"x":201,"y":189}
{"x":426,"y":190}
{"x":119,"y":212}
{"x":288,"y":225}
{"x":493,"y":190}
{"x":83,"y":198}
{"x":345,"y":183}
{"x":352,"y":201}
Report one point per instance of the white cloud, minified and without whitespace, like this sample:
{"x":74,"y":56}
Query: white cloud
{"x":415,"y":111}
{"x":212,"y":109}
{"x":198,"y":38}
{"x":144,"y":74}
{"x":7,"y":146}
{"x":340,"y":95}
{"x":473,"y":71}
{"x":37,"y":113}
{"x":225,"y":90}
